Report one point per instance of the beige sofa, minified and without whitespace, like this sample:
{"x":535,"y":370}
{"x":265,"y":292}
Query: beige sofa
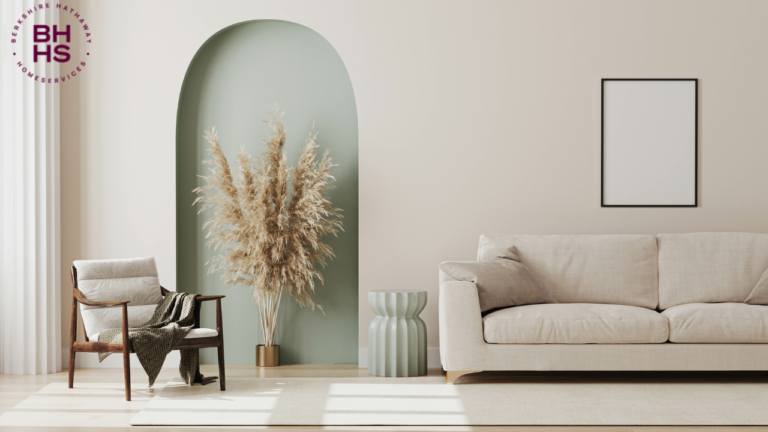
{"x":625,"y":302}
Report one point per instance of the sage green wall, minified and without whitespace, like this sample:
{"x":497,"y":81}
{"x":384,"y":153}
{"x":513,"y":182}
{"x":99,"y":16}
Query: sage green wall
{"x":231,"y":83}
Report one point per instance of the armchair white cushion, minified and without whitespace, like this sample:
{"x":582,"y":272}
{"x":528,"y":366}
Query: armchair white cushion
{"x":97,"y":319}
{"x":132,"y":279}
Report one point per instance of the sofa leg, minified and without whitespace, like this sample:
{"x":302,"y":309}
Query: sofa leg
{"x":452,"y":376}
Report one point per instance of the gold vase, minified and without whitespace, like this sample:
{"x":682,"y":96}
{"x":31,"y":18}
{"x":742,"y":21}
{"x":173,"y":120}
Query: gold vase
{"x":267,"y":356}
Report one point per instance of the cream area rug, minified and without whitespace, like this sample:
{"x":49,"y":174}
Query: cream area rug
{"x":88,"y":406}
{"x":589,"y":400}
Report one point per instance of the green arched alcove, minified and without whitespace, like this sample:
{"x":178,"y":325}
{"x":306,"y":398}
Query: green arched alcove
{"x":232,"y":81}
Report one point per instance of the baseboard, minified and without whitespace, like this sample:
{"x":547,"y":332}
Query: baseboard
{"x":433,"y":358}
{"x":91,"y":360}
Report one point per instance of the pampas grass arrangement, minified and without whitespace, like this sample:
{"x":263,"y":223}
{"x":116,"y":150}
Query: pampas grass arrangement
{"x":268,"y":226}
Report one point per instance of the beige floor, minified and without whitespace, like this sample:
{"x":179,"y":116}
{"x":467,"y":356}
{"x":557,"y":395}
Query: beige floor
{"x":15,"y":389}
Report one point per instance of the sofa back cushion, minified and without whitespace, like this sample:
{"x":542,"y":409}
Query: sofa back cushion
{"x":709,"y":267}
{"x":608,"y":269}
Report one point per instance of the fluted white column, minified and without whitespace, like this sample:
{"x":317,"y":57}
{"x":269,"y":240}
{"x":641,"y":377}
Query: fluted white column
{"x":30,"y":295}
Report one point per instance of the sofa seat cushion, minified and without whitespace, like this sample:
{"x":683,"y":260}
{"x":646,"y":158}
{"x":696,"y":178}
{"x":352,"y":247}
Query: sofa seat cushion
{"x":718,"y":323}
{"x":193,"y":334}
{"x":575,"y":323}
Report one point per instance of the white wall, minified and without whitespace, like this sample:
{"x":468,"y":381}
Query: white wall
{"x":474,"y":117}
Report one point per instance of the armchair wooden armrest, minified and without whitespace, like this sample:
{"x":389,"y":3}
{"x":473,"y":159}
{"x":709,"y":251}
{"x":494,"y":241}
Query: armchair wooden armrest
{"x":206,"y":298}
{"x":81,"y":298}
{"x":198,"y":298}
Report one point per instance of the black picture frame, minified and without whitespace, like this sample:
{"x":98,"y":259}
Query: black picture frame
{"x":602,"y":143}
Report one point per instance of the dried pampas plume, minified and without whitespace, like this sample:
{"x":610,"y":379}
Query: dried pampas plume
{"x":267,"y":227}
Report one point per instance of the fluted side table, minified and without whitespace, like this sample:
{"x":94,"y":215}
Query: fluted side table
{"x":397,"y":337}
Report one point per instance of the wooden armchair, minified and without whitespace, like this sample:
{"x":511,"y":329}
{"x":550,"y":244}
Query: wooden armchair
{"x":118,"y":283}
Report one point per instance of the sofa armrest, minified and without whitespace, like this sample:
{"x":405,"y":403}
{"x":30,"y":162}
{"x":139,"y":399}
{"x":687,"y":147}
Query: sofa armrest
{"x":461,"y":325}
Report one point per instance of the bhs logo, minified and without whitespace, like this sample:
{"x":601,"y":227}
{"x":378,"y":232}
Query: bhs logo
{"x":51,"y":44}
{"x":43,"y":35}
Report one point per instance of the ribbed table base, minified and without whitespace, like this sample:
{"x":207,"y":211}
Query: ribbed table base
{"x":397,"y":337}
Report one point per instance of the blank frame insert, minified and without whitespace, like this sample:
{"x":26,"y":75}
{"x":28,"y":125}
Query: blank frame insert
{"x":649,"y":142}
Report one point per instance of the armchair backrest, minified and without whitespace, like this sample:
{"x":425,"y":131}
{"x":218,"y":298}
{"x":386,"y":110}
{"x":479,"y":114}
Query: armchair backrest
{"x":132,"y":279}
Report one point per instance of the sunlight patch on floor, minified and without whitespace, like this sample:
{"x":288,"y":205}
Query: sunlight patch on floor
{"x":367,"y":389}
{"x":398,"y":404}
{"x":382,"y":403}
{"x":86,"y":405}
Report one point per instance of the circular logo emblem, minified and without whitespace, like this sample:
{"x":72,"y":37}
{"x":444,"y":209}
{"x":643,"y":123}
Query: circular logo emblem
{"x":34,"y":44}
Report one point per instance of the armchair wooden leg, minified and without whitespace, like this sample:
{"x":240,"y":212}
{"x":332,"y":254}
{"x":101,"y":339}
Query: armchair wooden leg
{"x":71,"y":367}
{"x":126,"y":356}
{"x":452,"y":376}
{"x":222,"y":377}
{"x":127,"y":374}
{"x":220,"y":329}
{"x":72,"y":332}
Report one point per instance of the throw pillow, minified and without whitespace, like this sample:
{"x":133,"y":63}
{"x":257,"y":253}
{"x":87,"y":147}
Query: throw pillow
{"x":502,"y":282}
{"x":759,"y":294}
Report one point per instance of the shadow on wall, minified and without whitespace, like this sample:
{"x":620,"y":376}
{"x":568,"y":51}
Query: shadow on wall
{"x":231,"y":83}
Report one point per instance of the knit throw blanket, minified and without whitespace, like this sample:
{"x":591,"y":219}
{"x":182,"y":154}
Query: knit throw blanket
{"x":174,"y":317}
